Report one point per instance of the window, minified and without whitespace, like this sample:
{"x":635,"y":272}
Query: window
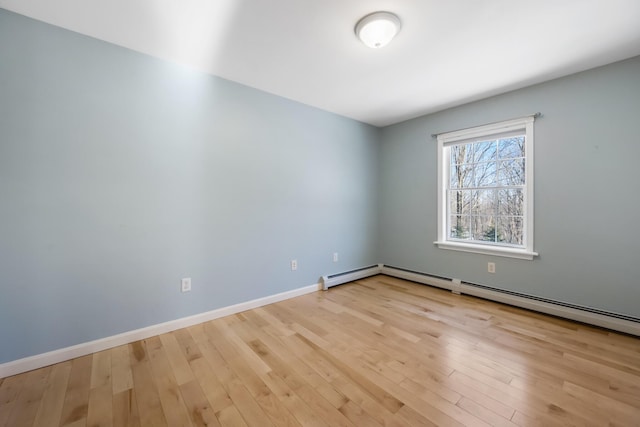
{"x":485,"y":189}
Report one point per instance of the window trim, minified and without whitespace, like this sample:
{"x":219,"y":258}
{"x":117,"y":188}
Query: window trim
{"x":447,"y":139}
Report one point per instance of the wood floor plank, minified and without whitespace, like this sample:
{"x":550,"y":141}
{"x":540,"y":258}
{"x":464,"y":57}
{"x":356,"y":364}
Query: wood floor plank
{"x":257,"y":384}
{"x":214,"y":391}
{"x":179,"y":364}
{"x":169,"y":393}
{"x":100,"y":410}
{"x":231,"y":417}
{"x":360,"y":377}
{"x":76,"y":402}
{"x":188,"y":345}
{"x":357,"y":415}
{"x":199,"y":409}
{"x":121,"y":375}
{"x":125,"y":409}
{"x":28,"y":399}
{"x":409,"y":417}
{"x":146,"y":394}
{"x":298,"y":388}
{"x":231,"y":369}
{"x":305,"y":371}
{"x":9,"y":390}
{"x":618,"y":412}
{"x":101,"y":369}
{"x":380,"y":351}
{"x":50,"y":409}
{"x":483,"y":413}
{"x":528,"y":404}
{"x":294,"y":404}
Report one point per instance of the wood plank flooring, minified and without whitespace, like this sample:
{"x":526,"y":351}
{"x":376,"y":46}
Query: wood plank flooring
{"x":376,"y":352}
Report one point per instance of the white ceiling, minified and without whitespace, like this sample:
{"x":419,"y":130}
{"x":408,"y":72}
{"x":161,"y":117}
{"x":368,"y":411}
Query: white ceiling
{"x":448,"y":52}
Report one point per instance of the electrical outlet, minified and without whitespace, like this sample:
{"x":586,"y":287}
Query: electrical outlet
{"x":185,"y":285}
{"x":335,"y":257}
{"x":491,"y":267}
{"x":294,"y":264}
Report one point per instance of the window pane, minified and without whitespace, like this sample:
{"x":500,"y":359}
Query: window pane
{"x":461,"y":175}
{"x":462,"y":153}
{"x":459,"y":227}
{"x":510,"y":148}
{"x":484,"y":202}
{"x":483,"y":228}
{"x":511,"y":202}
{"x":485,"y":151}
{"x":485,"y":174}
{"x":460,"y":202}
{"x":511,"y":172}
{"x":510,"y":230}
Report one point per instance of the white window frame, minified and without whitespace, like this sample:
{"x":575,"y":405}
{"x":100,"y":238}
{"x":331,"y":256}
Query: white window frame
{"x":493,"y":130}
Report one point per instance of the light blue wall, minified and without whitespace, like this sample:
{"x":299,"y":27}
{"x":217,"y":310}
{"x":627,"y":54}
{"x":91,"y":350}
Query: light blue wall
{"x":120,"y":174}
{"x":587,"y":205}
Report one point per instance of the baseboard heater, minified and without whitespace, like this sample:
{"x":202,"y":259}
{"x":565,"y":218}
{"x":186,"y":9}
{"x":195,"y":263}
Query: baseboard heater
{"x":616,"y":321}
{"x":350,"y":276}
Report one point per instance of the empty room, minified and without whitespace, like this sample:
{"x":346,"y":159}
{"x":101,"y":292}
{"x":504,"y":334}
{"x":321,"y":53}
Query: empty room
{"x":319,"y":213}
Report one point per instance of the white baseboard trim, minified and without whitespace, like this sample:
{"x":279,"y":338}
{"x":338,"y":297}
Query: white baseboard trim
{"x":56,"y":356}
{"x":602,"y":320}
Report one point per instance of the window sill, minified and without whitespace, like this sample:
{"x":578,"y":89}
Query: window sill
{"x":488,"y":250}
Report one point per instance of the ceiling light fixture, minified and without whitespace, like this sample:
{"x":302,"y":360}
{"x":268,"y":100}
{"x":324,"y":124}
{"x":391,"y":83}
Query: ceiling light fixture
{"x":376,"y":30}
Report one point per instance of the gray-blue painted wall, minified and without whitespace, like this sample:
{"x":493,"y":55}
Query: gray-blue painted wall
{"x":121,"y":174}
{"x":587,"y":202}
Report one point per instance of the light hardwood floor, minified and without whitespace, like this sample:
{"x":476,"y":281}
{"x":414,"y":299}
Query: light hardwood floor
{"x":377,"y":352}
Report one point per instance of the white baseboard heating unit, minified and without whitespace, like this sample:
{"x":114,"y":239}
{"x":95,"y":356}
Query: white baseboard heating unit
{"x":350,"y":276}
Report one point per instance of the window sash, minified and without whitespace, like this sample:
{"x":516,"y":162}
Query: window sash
{"x":490,"y":132}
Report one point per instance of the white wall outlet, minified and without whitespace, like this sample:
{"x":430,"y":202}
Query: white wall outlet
{"x":294,"y":264}
{"x":185,"y":285}
{"x":491,"y":267}
{"x":335,"y":257}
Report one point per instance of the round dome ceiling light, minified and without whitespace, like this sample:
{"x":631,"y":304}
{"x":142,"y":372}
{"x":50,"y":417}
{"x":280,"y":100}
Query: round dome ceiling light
{"x":376,"y":30}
